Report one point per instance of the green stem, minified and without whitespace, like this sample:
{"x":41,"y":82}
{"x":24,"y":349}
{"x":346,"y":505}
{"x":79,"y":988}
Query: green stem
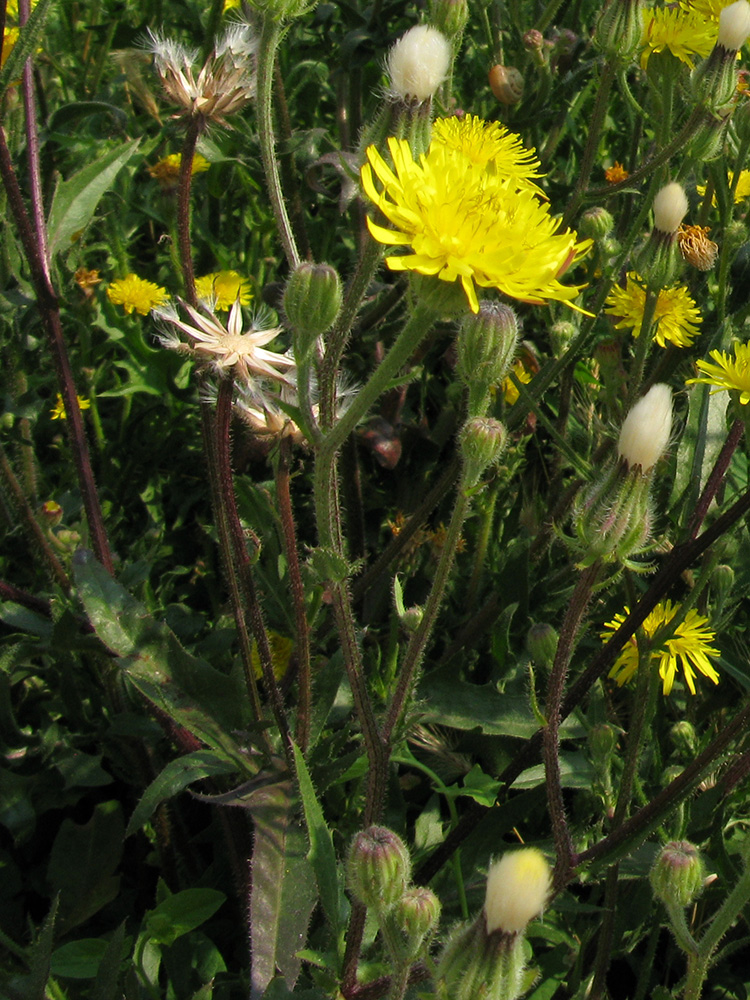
{"x":642,"y":347}
{"x":185,"y":183}
{"x":270,"y":37}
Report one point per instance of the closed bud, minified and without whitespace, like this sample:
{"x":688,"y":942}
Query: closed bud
{"x":596,"y":223}
{"x":51,"y":513}
{"x":378,"y":868}
{"x":482,"y":441}
{"x":645,"y":432}
{"x":486,"y":346}
{"x":418,"y":63}
{"x":417,"y":913}
{"x":506,"y":83}
{"x":412,"y":617}
{"x":612,"y":517}
{"x":619,"y":30}
{"x":602,"y":742}
{"x":533,"y":40}
{"x":312,"y":301}
{"x":684,"y":738}
{"x":677,"y":874}
{"x":449,"y":16}
{"x":541,"y":644}
{"x":561,"y":336}
{"x":707,"y":142}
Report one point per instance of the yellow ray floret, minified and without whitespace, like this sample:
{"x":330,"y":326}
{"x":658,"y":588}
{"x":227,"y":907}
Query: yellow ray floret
{"x":728,"y":373}
{"x":467,"y":223}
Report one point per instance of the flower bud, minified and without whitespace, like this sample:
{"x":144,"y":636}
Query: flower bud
{"x":417,"y":913}
{"x":533,"y":40}
{"x":645,"y":432}
{"x":602,"y":740}
{"x":51,"y":513}
{"x":449,"y":16}
{"x":486,"y":347}
{"x":378,"y":868}
{"x":312,"y":302}
{"x":596,"y":223}
{"x":619,"y":30}
{"x":707,"y":142}
{"x":677,"y":874}
{"x":561,"y":335}
{"x":418,"y":63}
{"x":714,"y":82}
{"x":482,"y":441}
{"x":506,"y":84}
{"x":659,"y":260}
{"x":684,"y":738}
{"x":541,"y":644}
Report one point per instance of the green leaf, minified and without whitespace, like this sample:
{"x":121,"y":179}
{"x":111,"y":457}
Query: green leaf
{"x":480,"y":786}
{"x":187,"y":689}
{"x":283,"y":891}
{"x":575,"y":772}
{"x":75,"y":199}
{"x":41,"y":952}
{"x":28,"y":42}
{"x":175,"y":777}
{"x":322,"y":855}
{"x":82,"y":863}
{"x":700,"y":444}
{"x":108,"y":975}
{"x":24,"y":620}
{"x":79,"y":959}
{"x":181,"y":913}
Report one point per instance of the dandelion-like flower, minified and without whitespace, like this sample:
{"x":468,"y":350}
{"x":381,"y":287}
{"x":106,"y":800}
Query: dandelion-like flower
{"x":489,"y":145}
{"x":683,"y":33}
{"x":58,"y":410}
{"x":741,"y":193}
{"x":616,"y":173}
{"x":225,"y":348}
{"x":470,"y":224}
{"x":223,"y":288}
{"x":688,"y":648}
{"x":224,"y":84}
{"x":676,"y":318}
{"x":730,"y":374}
{"x":167,"y":170}
{"x":136,"y":294}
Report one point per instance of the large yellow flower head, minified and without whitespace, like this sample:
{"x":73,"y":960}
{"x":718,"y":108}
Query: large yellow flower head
{"x":728,"y":373}
{"x":689,"y":644}
{"x":490,"y":145}
{"x":676,"y":318}
{"x":741,"y":192}
{"x":683,"y":33}
{"x":466,"y":222}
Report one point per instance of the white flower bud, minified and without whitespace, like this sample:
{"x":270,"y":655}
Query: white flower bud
{"x":418,"y":62}
{"x":645,"y":431}
{"x":734,"y":25}
{"x":670,"y":204}
{"x":517,"y":889}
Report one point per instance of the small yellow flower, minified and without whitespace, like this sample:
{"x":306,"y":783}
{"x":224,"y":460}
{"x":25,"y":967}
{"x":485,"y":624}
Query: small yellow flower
{"x":468,"y":222}
{"x":683,"y":33}
{"x":709,"y":9}
{"x":281,"y":655}
{"x":689,"y":644}
{"x":730,"y":374}
{"x":134,"y":293}
{"x":510,"y":391}
{"x":58,"y":410}
{"x":676,"y":318}
{"x":616,"y":173}
{"x":223,"y":288}
{"x":167,"y":170}
{"x":743,"y":187}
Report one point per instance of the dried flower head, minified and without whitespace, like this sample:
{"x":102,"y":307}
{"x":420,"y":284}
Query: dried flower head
{"x":616,"y":173}
{"x":696,"y":247}
{"x":224,"y":84}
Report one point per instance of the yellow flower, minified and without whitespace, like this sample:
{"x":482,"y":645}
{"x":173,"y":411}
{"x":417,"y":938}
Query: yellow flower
{"x":684,"y":33}
{"x":688,"y":645}
{"x":743,"y":187}
{"x":10,"y":37}
{"x":469,"y":223}
{"x":490,"y":145}
{"x":616,"y":173}
{"x":134,"y":293}
{"x":58,"y":410}
{"x":167,"y":170}
{"x":510,"y":391}
{"x":223,"y":288}
{"x":676,"y":318}
{"x":281,"y":655}
{"x":727,"y":373}
{"x":709,"y":9}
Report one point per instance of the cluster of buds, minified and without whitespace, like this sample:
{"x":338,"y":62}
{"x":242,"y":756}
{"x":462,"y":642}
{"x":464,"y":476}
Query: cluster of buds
{"x":613,"y":516}
{"x":486,"y":958}
{"x":224,"y":84}
{"x":378,"y":873}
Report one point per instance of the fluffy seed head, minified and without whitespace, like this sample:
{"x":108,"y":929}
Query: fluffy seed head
{"x":645,"y":431}
{"x":734,"y":25}
{"x":418,"y":63}
{"x":517,"y":889}
{"x":671,"y":205}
